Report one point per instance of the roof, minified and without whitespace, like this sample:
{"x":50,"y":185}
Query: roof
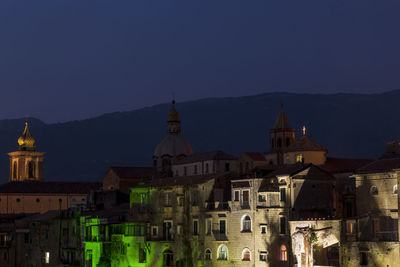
{"x":380,"y":165}
{"x":305,"y":143}
{"x":183,"y":180}
{"x":238,"y":184}
{"x":173,"y":145}
{"x":133,"y":172}
{"x":256,"y":156}
{"x":213,"y":155}
{"x":341,"y":165}
{"x":303,"y":171}
{"x":269,"y":185}
{"x":282,"y":121}
{"x":116,"y":211}
{"x":36,"y":187}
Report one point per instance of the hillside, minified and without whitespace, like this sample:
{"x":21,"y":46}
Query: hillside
{"x":349,"y":125}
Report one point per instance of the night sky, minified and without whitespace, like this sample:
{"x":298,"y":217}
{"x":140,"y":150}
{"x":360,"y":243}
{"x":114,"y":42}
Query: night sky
{"x":75,"y":59}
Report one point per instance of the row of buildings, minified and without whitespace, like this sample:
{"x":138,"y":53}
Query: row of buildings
{"x":292,"y":206}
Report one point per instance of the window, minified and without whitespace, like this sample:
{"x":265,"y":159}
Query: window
{"x":179,"y":229}
{"x":279,"y":142}
{"x":208,"y":255}
{"x":236,"y":196}
{"x":299,"y":158}
{"x":208,"y":227}
{"x":363,"y":258}
{"x":3,"y":240}
{"x":263,"y":229}
{"x":222,"y":226}
{"x":176,"y":172}
{"x":168,"y":258}
{"x":227,"y":167}
{"x":287,"y":141}
{"x":154,"y":231}
{"x":245,"y":198}
{"x":263,"y":256}
{"x":375,"y":227}
{"x":272,"y":143}
{"x":206,"y":167}
{"x":196,"y":227}
{"x":142,"y":255}
{"x":31,"y":169}
{"x":167,"y":230}
{"x":181,"y":201}
{"x":282,"y":225}
{"x":167,"y":199}
{"x":283,"y":194}
{"x":246,"y":255}
{"x":184,"y":171}
{"x":47,"y":257}
{"x":46,"y":234}
{"x":18,"y":200}
{"x":349,"y":227}
{"x":283,"y":256}
{"x":195,"y":198}
{"x":395,"y":190}
{"x":223,"y":253}
{"x":15,"y":170}
{"x":195,"y":169}
{"x":27,"y":238}
{"x":373,"y":190}
{"x":246,"y":223}
{"x":261,"y":198}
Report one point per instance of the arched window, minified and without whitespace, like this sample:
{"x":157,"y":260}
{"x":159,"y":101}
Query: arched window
{"x":283,"y":255}
{"x":168,"y":258}
{"x":31,"y":169}
{"x":279,"y":142}
{"x":272,"y":143}
{"x":223,"y":253}
{"x":246,"y":223}
{"x":395,"y":190}
{"x":208,"y":255}
{"x":246,"y":255}
{"x":373,"y":190}
{"x":15,"y":170}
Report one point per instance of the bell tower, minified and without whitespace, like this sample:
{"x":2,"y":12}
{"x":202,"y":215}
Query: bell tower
{"x":26,"y":164}
{"x":281,"y":136}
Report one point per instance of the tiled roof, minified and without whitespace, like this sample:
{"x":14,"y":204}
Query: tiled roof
{"x":282,"y":121}
{"x":341,"y":165}
{"x":381,"y":165}
{"x":237,"y":184}
{"x":269,"y":185}
{"x":133,"y":172}
{"x":49,"y":187}
{"x":213,"y":155}
{"x":183,"y":180}
{"x":256,"y":156}
{"x":305,"y":143}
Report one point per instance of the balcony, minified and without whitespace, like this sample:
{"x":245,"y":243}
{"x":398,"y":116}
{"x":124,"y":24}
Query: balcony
{"x":219,"y":236}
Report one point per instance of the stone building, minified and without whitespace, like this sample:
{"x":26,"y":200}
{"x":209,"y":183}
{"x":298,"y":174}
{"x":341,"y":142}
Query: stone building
{"x":249,"y":161}
{"x":204,"y":164}
{"x":124,"y":178}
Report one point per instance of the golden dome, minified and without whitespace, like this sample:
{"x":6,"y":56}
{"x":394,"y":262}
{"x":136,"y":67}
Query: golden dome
{"x":26,"y":140}
{"x":173,"y":114}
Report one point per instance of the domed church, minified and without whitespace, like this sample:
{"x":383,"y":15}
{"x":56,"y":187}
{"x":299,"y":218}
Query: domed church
{"x":173,"y":146}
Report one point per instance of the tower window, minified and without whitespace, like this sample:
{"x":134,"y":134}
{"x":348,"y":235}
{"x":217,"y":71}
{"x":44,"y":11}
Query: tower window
{"x":272,"y":143}
{"x":283,"y":256}
{"x":15,"y":170}
{"x":279,"y":142}
{"x":287,"y":141}
{"x":31,"y":169}
{"x":373,"y":190}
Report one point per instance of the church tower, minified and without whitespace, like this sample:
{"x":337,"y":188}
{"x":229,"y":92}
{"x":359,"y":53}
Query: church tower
{"x":281,"y":136}
{"x":26,"y":164}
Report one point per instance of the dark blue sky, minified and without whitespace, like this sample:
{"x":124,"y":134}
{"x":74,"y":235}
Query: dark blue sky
{"x":74,"y":59}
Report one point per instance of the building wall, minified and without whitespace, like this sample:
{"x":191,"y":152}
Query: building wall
{"x":214,"y":166}
{"x":314,"y":157}
{"x":37,"y":203}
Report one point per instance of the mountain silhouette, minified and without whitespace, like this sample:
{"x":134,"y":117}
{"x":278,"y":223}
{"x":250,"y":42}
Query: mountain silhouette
{"x":348,"y":125}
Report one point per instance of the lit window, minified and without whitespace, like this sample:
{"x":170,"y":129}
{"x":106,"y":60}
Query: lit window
{"x":179,"y":229}
{"x":349,"y":227}
{"x":373,"y":190}
{"x":208,"y":255}
{"x":263,"y":256}
{"x":299,"y":158}
{"x":395,"y":190}
{"x":283,"y":256}
{"x":223,"y":253}
{"x":246,"y":224}
{"x":47,"y":257}
{"x":246,"y":256}
{"x":263,"y":229}
{"x":168,"y":199}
